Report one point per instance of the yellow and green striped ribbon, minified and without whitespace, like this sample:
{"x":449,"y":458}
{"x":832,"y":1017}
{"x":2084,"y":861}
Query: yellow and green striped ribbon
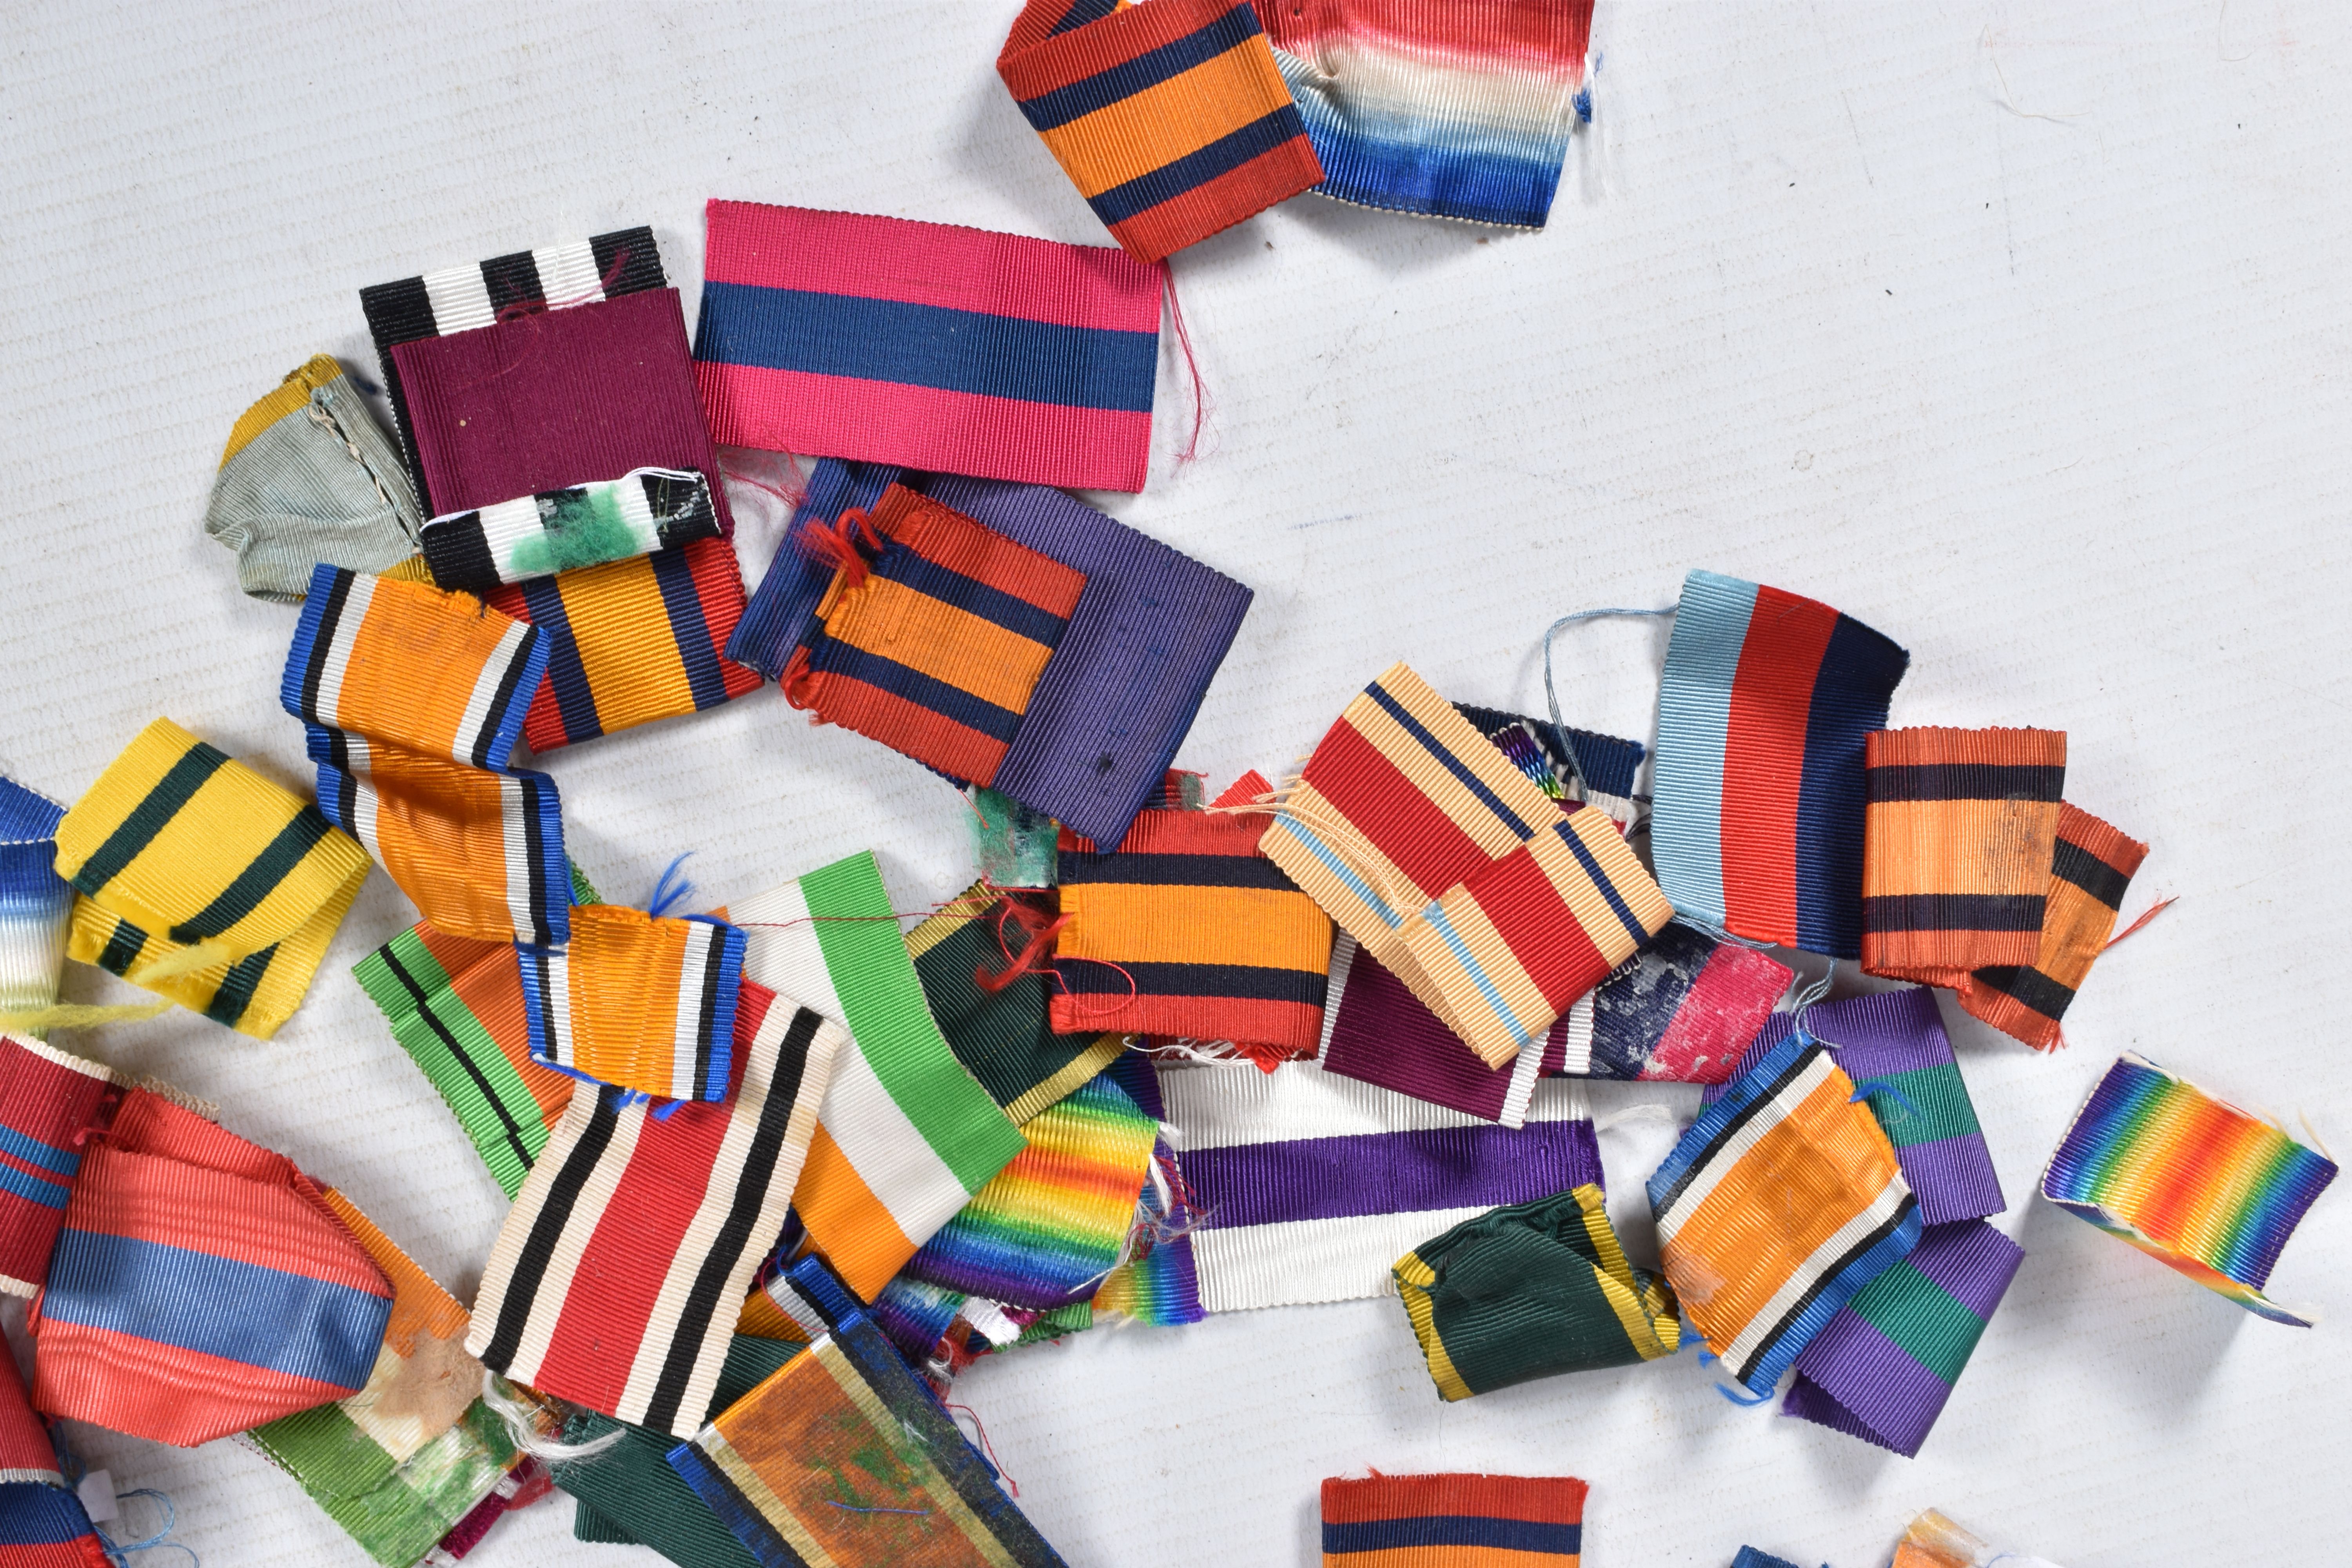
{"x":203,"y":881}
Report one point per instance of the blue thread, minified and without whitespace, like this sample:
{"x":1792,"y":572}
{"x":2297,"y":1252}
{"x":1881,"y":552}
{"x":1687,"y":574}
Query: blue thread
{"x":1745,"y":1401}
{"x":916,"y":1512}
{"x":1870,"y":1085}
{"x":1568,"y":744}
{"x":665,"y":893}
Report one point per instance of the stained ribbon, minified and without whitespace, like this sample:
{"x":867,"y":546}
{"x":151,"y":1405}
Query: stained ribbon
{"x":1959,"y":833}
{"x":1758,"y":1274}
{"x":2092,"y":865}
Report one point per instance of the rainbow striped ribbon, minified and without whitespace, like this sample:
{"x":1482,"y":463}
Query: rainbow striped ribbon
{"x":2194,"y":1183}
{"x":1050,"y":1224}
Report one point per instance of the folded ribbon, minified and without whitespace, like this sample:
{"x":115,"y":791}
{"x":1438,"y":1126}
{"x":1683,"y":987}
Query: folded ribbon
{"x":2196,"y":1184}
{"x":412,"y":700}
{"x":1051,"y":1225}
{"x":36,"y":903}
{"x":1103,"y":724}
{"x":1883,"y":1368}
{"x":1437,"y":107}
{"x":1532,"y":1290}
{"x":49,"y":1103}
{"x":403,"y":1462}
{"x":201,"y":1285}
{"x":935,"y":645}
{"x":638,"y":1001}
{"x":1778,"y":1204}
{"x":457,"y":1007}
{"x":1003,"y":1035}
{"x":1959,"y":833}
{"x":308,"y":476}
{"x":539,"y":535}
{"x":1456,"y":872}
{"x":1307,"y":1186}
{"x":2092,"y":865}
{"x":1187,"y":929}
{"x":197,"y":870}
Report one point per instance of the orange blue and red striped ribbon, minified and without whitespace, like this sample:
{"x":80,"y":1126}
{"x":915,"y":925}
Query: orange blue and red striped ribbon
{"x":1959,"y":838}
{"x":1186,"y":928}
{"x":936,"y":648}
{"x":1170,"y":119}
{"x":1453,"y":1521}
{"x":631,"y":641}
{"x":2092,"y":866}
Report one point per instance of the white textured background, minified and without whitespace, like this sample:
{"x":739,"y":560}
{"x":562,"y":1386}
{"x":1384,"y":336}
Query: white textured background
{"x":2019,"y":332}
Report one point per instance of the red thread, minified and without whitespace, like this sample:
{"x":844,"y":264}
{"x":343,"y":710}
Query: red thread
{"x":1010,"y":1484}
{"x":837,"y":546}
{"x":514,"y":308}
{"x":1027,"y":960}
{"x":2132,"y":929}
{"x":799,"y":682}
{"x":1191,"y":450}
{"x":1133,"y":990}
